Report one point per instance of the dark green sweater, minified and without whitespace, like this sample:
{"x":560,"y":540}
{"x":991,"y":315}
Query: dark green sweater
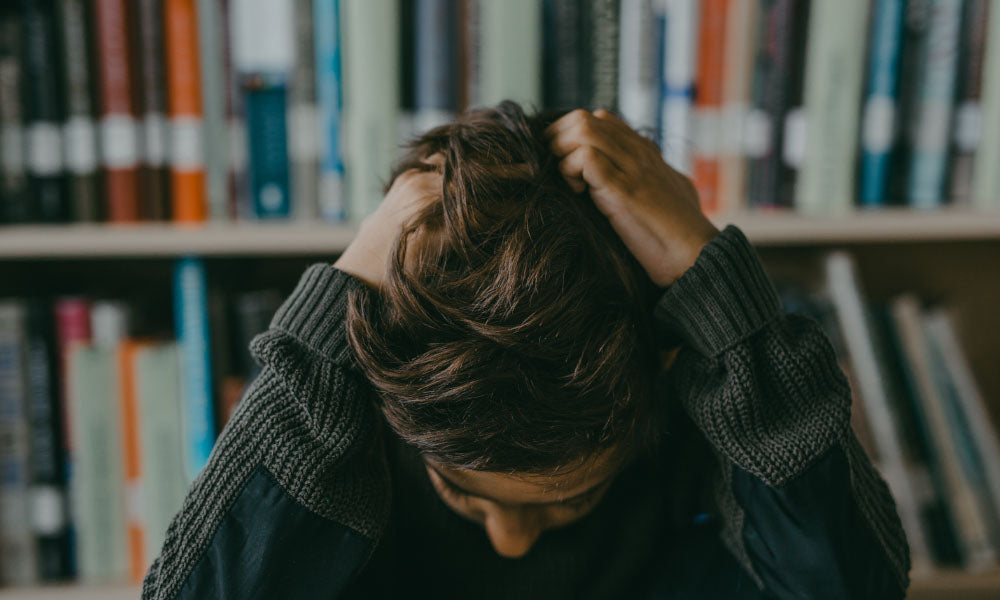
{"x":298,"y":495}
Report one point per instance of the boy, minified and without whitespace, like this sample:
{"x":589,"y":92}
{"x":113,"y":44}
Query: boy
{"x":538,"y":372}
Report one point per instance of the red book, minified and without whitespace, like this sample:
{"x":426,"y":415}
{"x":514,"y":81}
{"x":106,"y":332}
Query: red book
{"x":119,"y":128}
{"x":72,"y":327}
{"x":708,"y":101}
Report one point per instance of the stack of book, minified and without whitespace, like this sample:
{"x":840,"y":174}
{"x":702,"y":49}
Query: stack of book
{"x":107,"y":413}
{"x":919,"y":414}
{"x":194,"y":110}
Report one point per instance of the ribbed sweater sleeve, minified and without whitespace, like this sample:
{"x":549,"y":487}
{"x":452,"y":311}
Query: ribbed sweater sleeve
{"x":766,"y":391}
{"x":306,"y":420}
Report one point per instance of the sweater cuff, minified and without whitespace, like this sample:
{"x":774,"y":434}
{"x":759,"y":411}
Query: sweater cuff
{"x":314,"y":313}
{"x":722,"y":299}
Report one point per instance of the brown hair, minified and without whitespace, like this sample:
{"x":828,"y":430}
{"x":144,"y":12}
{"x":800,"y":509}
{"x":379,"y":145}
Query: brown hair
{"x":518,"y":336}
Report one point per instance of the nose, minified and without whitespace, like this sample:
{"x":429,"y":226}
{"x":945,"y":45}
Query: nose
{"x":513,"y":532}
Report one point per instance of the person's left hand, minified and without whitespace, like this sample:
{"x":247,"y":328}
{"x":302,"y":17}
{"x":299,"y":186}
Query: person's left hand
{"x":654,"y":209}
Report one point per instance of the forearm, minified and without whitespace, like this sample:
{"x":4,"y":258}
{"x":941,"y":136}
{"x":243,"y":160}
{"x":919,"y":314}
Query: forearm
{"x":766,"y":391}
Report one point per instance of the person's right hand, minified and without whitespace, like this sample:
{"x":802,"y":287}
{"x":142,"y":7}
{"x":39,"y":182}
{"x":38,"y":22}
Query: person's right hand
{"x":367,"y":256}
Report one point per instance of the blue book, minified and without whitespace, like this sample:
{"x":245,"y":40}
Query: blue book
{"x":191,"y":324}
{"x":935,"y":101}
{"x":266,"y":105}
{"x":329,"y":99}
{"x":878,"y":124}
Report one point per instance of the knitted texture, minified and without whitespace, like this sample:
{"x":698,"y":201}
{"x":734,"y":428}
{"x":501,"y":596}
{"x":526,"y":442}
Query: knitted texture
{"x":307,"y":419}
{"x":764,"y":387}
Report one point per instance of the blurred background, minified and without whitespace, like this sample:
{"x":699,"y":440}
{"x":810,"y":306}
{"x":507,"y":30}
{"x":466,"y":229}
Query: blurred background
{"x":170,"y":167}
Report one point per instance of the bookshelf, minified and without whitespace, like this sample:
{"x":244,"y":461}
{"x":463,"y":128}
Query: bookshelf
{"x":316,"y":238}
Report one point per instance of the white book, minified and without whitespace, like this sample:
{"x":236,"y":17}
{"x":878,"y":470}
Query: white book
{"x":976,"y":549}
{"x":986,"y":175}
{"x":680,"y":47}
{"x":510,"y":52}
{"x":900,"y":472}
{"x":638,"y":79}
{"x":835,"y":56}
{"x":371,"y":100}
{"x":213,"y":98}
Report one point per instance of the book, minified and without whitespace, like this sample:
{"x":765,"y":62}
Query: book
{"x":303,"y":118}
{"x":740,"y":41}
{"x":935,"y":100}
{"x":184,"y":112}
{"x":563,"y":52}
{"x":119,"y":132}
{"x":72,"y":318}
{"x":211,"y":40}
{"x":79,"y":128}
{"x":832,"y":96}
{"x":191,"y":323}
{"x":510,"y":54}
{"x":986,"y":177}
{"x":708,"y":102}
{"x":155,"y":200}
{"x":14,"y":202}
{"x":975,"y":547}
{"x":17,"y":541}
{"x":638,"y":65}
{"x":238,"y":187}
{"x":97,"y":494}
{"x":263,"y":64}
{"x":879,"y":112}
{"x":132,"y":458}
{"x":371,"y":97}
{"x":48,"y":480}
{"x":329,"y":98}
{"x":601,"y":43}
{"x":161,"y":439}
{"x":469,"y":54}
{"x":967,"y":128}
{"x":435,"y":68}
{"x":43,"y":113}
{"x":680,"y":27}
{"x":895,"y":464}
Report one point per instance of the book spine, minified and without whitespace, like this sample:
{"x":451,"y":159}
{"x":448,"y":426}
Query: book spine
{"x":303,"y":118}
{"x":79,"y":129}
{"x":986,"y":177}
{"x":48,"y":491}
{"x":511,"y":52}
{"x":236,"y":134}
{"x":14,"y":205}
{"x":708,"y":102}
{"x":469,"y":54}
{"x":152,"y":109}
{"x":680,"y":27}
{"x":44,"y":113}
{"x":329,"y":97}
{"x":562,"y":49}
{"x":832,"y":95}
{"x":878,"y":118}
{"x":213,"y":90}
{"x":435,"y":66}
{"x":16,"y":536}
{"x":740,"y":39}
{"x":184,"y":112}
{"x":191,"y":319}
{"x":72,"y":326}
{"x":371,"y":104}
{"x":602,"y":47}
{"x":967,"y":128}
{"x":161,"y":440}
{"x":132,"y":459}
{"x":97,"y":495}
{"x":935,"y":104}
{"x":119,"y":133}
{"x":638,"y":69}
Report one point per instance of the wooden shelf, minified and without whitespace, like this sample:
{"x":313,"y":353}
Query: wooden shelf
{"x":72,"y":592}
{"x":284,"y":238}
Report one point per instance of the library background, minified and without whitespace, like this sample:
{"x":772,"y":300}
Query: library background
{"x":170,"y":167}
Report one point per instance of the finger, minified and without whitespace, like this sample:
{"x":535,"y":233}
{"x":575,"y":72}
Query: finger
{"x":592,"y":166}
{"x":587,"y":130}
{"x":635,"y":141}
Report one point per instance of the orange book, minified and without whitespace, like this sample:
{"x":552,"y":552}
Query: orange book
{"x":708,"y":101}
{"x":187,"y":162}
{"x":132,"y":459}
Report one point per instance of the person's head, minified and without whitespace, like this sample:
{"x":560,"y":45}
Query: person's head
{"x":511,"y":343}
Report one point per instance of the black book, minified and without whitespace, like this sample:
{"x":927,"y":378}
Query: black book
{"x":14,"y":203}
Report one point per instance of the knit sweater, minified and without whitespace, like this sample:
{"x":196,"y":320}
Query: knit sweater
{"x":297,"y":492}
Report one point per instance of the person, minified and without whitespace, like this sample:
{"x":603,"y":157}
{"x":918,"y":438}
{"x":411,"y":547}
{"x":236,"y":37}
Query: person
{"x":538,"y":371}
